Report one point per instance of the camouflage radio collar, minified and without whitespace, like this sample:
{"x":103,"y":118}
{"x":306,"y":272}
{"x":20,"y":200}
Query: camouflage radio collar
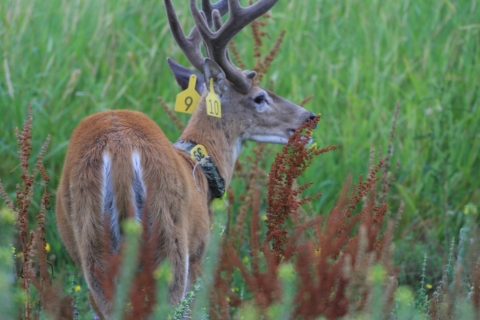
{"x":199,"y":154}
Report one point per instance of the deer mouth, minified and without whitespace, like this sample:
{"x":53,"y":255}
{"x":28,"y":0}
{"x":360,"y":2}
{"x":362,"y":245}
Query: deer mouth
{"x":290,"y":133}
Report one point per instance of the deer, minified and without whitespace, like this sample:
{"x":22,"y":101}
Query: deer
{"x":119,"y":163}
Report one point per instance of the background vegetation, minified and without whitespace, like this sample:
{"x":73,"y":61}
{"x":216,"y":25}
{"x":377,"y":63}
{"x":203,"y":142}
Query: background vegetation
{"x":358,"y":58}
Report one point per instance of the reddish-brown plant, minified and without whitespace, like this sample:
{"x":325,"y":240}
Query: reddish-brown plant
{"x":142,"y":293}
{"x":34,"y":266}
{"x":283,"y":201}
{"x":331,"y":262}
{"x":332,"y":255}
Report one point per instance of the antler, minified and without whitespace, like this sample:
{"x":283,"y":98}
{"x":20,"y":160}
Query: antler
{"x":216,"y":42}
{"x":208,"y":7}
{"x":191,"y":45}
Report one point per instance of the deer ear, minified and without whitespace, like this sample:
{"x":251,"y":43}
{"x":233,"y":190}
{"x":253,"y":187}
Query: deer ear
{"x":213,"y":71}
{"x":182,"y":75}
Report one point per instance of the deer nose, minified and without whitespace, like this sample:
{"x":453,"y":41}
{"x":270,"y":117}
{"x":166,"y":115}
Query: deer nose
{"x":311,"y":117}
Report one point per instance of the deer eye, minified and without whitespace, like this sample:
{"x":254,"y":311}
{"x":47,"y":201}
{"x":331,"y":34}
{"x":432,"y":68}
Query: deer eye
{"x":259,"y":99}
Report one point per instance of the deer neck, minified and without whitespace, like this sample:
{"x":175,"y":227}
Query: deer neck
{"x":221,"y":138}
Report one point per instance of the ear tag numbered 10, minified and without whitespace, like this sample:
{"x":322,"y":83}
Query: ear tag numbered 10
{"x":187,"y":100}
{"x":214,"y":106}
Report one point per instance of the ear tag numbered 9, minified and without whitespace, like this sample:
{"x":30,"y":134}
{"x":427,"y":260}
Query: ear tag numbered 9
{"x":214,"y":106}
{"x":198,"y":153}
{"x":187,"y":100}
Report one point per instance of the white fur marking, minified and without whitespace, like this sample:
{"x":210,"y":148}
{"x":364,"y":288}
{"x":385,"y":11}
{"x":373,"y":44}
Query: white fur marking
{"x":262,"y":107}
{"x":268,"y":139}
{"x":237,"y":149}
{"x":108,"y":202}
{"x":138,"y":186}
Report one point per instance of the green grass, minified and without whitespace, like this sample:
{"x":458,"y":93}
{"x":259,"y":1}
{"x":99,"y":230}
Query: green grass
{"x":70,"y":59}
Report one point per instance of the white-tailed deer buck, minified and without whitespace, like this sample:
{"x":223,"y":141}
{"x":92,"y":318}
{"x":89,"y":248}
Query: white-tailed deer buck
{"x":116,"y":158}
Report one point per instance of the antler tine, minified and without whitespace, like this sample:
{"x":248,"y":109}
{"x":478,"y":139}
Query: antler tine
{"x":217,"y":24}
{"x":190,"y":45}
{"x":208,"y":8}
{"x":217,"y":20}
{"x":241,"y":17}
{"x":217,"y":42}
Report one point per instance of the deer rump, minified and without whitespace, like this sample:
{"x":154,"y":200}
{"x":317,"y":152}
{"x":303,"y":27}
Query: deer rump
{"x":126,"y":167}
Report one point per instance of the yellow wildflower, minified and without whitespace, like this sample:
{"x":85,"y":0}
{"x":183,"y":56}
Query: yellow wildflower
{"x":470,"y":208}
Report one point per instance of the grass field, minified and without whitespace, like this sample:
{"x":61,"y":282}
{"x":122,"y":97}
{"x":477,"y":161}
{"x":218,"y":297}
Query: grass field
{"x":70,"y":59}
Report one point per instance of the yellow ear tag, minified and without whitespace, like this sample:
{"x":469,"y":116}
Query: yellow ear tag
{"x":214,"y":107}
{"x":198,"y":153}
{"x":187,"y":100}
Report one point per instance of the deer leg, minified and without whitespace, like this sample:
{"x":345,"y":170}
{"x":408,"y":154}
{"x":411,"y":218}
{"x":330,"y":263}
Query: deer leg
{"x":179,"y":260}
{"x":64,"y":224}
{"x":100,"y":304}
{"x":196,"y":259}
{"x":194,"y":271}
{"x":97,"y":314}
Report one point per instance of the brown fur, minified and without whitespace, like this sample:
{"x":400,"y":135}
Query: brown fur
{"x":179,"y":211}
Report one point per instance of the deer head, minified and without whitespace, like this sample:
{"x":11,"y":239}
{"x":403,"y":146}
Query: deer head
{"x":248,"y":111}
